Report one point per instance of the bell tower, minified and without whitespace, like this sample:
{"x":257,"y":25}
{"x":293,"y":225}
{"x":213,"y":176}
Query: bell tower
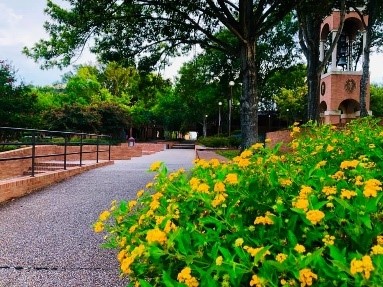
{"x":340,"y":82}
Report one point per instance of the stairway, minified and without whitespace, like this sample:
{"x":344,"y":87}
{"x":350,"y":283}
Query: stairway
{"x":41,"y":167}
{"x":184,"y":145}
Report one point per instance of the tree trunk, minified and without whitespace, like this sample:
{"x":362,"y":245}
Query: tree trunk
{"x":313,"y":79}
{"x":249,"y":96}
{"x":366,"y":58}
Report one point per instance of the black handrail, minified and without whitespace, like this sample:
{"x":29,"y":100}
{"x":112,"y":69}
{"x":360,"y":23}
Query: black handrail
{"x":32,"y":134}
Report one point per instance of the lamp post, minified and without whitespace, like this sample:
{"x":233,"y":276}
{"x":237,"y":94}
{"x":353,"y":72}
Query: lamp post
{"x":204,"y":126}
{"x":231,"y":84}
{"x":219,"y":117}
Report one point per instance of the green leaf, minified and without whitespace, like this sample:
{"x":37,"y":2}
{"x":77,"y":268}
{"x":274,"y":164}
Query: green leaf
{"x":273,"y":177}
{"x":345,"y":204}
{"x":143,"y":283}
{"x":167,"y":280}
{"x":336,"y":253}
{"x":292,"y":238}
{"x":366,"y":220}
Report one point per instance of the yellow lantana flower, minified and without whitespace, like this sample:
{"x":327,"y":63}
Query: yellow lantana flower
{"x":185,"y":277}
{"x":315,"y":216}
{"x":363,"y":266}
{"x":155,"y":166}
{"x":306,"y":277}
{"x":256,"y":281}
{"x":231,"y":178}
{"x":156,"y":235}
{"x":299,"y":248}
{"x":281,"y":257}
{"x":219,"y":260}
{"x":98,"y":227}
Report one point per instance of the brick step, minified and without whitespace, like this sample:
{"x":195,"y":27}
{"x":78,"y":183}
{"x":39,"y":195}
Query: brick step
{"x":55,"y":164}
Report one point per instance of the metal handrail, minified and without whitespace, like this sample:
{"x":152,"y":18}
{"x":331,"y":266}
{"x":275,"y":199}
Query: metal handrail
{"x":64,"y":134}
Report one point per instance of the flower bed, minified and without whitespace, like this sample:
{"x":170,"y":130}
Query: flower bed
{"x":312,"y":217}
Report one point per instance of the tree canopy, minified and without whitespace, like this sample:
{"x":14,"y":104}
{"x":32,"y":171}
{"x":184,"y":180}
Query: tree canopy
{"x":153,"y":30}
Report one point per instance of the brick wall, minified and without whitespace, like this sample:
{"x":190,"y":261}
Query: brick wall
{"x":276,"y":137}
{"x":120,"y":152}
{"x":18,"y":187}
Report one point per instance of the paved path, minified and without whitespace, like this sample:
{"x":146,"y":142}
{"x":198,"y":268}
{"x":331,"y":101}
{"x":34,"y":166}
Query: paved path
{"x":46,"y":238}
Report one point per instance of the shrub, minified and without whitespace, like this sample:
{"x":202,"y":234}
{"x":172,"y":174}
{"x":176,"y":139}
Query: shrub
{"x":312,"y":217}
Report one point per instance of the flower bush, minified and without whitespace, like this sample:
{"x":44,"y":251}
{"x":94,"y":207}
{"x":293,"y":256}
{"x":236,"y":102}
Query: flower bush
{"x":310,"y":217}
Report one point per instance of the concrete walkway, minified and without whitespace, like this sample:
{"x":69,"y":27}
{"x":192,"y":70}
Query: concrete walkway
{"x":46,"y":239}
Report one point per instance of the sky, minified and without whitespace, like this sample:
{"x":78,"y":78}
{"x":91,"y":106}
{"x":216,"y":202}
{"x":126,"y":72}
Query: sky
{"x":21,"y":24}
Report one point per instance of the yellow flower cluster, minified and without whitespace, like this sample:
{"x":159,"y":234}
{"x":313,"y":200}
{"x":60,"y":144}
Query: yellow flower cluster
{"x":246,"y":153}
{"x":169,"y":226}
{"x":345,"y":193}
{"x":314,"y":216}
{"x":254,"y":251}
{"x":185,"y":277}
{"x":203,"y":188}
{"x":379,"y":239}
{"x":155,"y":166}
{"x":219,"y":199}
{"x":126,"y":260}
{"x":377,"y":250}
{"x":306,"y":277}
{"x":264,"y":220}
{"x":231,"y":178}
{"x":256,"y":281}
{"x":156,"y":235}
{"x":300,"y":248}
{"x":98,"y":227}
{"x":301,"y":204}
{"x":214,"y":163}
{"x":321,"y":164}
{"x":219,"y":187}
{"x":104,"y":215}
{"x":219,"y":260}
{"x":328,"y":239}
{"x":295,"y":130}
{"x":281,"y":257}
{"x":238,"y":242}
{"x":338,"y":175}
{"x":202,"y":163}
{"x":194,"y":183}
{"x":348,"y":164}
{"x":371,"y":188}
{"x":329,"y":190}
{"x":285,"y":182}
{"x":363,"y":266}
{"x":257,"y":146}
{"x":301,"y":201}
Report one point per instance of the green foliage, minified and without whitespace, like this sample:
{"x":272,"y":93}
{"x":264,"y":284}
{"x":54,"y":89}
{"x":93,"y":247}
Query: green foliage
{"x":18,"y":105}
{"x":312,"y":217}
{"x":232,"y":141}
{"x":376,"y":100}
{"x":230,"y":154}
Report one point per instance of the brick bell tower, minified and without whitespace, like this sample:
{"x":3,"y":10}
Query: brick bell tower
{"x":340,"y":82}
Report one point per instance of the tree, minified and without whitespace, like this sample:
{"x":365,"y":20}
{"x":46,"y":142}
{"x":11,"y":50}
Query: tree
{"x":18,"y":104}
{"x":156,"y":29}
{"x":375,"y":17}
{"x":377,"y":100}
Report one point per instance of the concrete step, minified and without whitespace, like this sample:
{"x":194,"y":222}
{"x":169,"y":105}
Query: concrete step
{"x":183,"y":146}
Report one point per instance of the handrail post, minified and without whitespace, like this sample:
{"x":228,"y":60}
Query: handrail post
{"x":110,"y":145}
{"x":65,"y":149}
{"x":81,"y":149}
{"x":33,"y":152}
{"x":97,"y":143}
